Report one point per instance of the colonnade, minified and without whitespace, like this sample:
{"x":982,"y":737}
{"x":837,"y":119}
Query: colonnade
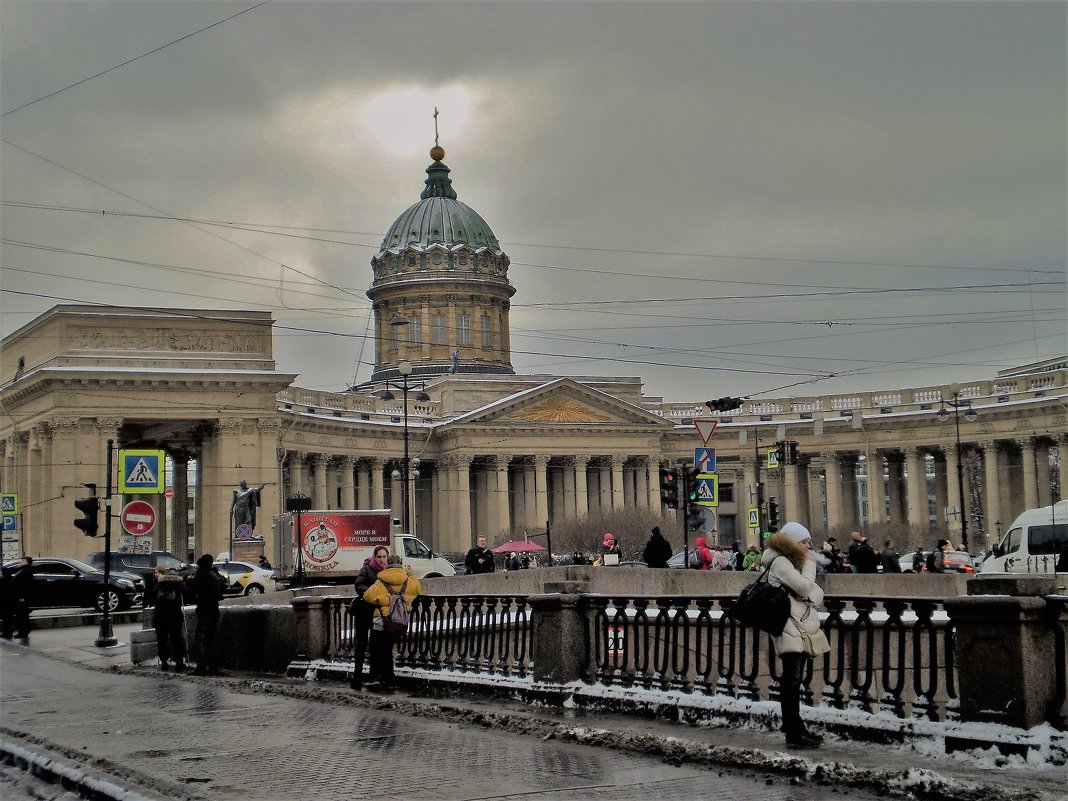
{"x":455,"y":497}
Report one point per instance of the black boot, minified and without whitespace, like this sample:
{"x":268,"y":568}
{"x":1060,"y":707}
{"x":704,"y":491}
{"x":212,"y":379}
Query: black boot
{"x":164,"y":666}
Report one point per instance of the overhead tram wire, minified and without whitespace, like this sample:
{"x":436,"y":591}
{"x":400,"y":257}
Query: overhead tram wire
{"x":162,"y":212}
{"x":265,"y":228}
{"x":135,"y":58}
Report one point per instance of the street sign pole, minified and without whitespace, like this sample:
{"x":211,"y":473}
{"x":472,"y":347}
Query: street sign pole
{"x":106,"y":638}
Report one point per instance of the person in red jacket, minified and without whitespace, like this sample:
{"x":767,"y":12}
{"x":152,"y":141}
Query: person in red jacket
{"x":704,"y":554}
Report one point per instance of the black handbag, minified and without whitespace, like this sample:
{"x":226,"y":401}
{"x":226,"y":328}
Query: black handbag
{"x":762,"y":605}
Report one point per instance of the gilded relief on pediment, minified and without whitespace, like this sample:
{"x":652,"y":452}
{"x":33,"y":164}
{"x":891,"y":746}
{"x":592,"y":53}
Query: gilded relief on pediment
{"x":560,"y":410}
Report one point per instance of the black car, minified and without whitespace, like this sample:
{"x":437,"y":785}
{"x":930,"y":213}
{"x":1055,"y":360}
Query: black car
{"x":70,"y":583}
{"x":143,"y":565}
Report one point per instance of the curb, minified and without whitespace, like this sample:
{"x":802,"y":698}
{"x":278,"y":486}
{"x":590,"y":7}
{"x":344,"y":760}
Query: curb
{"x":71,"y":778}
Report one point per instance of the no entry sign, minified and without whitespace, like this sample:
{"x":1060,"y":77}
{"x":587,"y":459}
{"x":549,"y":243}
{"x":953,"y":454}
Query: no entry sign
{"x":137,"y":517}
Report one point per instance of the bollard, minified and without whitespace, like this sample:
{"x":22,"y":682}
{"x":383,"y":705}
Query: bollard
{"x":143,"y":646}
{"x":1006,"y":648}
{"x":561,"y":633}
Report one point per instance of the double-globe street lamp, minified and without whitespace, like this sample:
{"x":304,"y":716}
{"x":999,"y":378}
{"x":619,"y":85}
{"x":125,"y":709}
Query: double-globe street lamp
{"x":408,"y":465}
{"x":969,"y":414}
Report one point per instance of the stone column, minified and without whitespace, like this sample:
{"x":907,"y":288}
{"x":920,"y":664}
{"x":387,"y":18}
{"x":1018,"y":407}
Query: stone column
{"x":378,"y":491}
{"x":604,"y":485}
{"x":916,"y":488}
{"x":790,"y":508}
{"x":348,"y":482}
{"x":898,"y":502}
{"x":652,"y":479}
{"x":504,"y":520}
{"x":833,"y":488}
{"x":876,"y":489}
{"x":529,"y":511}
{"x":1042,"y":473}
{"x":180,"y":507}
{"x":850,"y":504}
{"x":462,"y":538}
{"x":1030,"y":475}
{"x":363,"y":488}
{"x":541,"y":491}
{"x":617,"y":481}
{"x":1062,"y":466}
{"x":319,"y":465}
{"x":296,"y":473}
{"x":991,"y":486}
{"x":582,"y":496}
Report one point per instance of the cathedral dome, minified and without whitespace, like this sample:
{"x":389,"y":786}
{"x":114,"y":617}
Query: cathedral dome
{"x":438,"y":219}
{"x":440,"y":293}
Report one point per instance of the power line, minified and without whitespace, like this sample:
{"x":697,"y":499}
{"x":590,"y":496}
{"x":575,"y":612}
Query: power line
{"x":260,"y":229}
{"x":135,"y":58}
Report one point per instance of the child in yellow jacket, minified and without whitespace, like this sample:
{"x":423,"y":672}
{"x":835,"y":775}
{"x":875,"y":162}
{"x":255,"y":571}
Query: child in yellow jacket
{"x":396,"y":578}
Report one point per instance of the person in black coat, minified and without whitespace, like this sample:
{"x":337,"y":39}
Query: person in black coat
{"x":206,"y":587}
{"x":657,"y":550}
{"x":865,"y":560}
{"x":480,"y":558}
{"x":363,"y":613}
{"x":17,"y":610}
{"x":168,"y":620}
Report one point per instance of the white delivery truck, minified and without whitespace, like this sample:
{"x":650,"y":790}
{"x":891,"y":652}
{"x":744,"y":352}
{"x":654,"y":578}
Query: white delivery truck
{"x":1033,"y":543}
{"x":329,"y":546}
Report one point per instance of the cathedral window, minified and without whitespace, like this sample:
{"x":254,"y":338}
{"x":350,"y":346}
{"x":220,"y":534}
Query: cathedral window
{"x":487,"y":336}
{"x":464,"y":334}
{"x":415,"y":330}
{"x":437,"y":329}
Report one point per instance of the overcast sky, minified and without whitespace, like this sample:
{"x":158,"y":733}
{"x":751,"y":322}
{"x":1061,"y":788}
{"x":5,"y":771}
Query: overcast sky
{"x":756,"y":198}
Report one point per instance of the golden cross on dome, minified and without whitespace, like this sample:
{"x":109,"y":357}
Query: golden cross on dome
{"x":435,"y":126}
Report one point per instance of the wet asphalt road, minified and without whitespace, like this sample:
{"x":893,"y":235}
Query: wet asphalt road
{"x":177,"y":738}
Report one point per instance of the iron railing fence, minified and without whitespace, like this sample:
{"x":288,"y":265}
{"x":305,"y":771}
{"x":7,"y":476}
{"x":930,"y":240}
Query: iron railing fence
{"x":470,"y":633}
{"x":892,"y":654}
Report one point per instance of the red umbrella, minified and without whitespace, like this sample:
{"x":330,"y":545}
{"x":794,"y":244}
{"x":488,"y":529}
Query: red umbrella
{"x":518,"y":546}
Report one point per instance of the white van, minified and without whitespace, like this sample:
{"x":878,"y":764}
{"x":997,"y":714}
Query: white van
{"x":1033,"y":543}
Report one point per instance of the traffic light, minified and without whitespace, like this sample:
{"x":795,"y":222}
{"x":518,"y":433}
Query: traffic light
{"x":669,"y":487}
{"x":791,"y":452}
{"x":695,"y":514}
{"x":780,"y":453}
{"x":773,"y":514}
{"x":723,"y":404}
{"x":90,"y":508}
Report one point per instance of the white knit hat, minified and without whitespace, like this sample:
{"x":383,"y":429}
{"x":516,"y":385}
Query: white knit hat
{"x":796,"y":531}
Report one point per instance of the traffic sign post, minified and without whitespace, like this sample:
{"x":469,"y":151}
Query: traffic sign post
{"x":707,"y":485}
{"x":141,"y":472}
{"x":705,"y":459}
{"x":137,"y":517}
{"x":706,"y":427}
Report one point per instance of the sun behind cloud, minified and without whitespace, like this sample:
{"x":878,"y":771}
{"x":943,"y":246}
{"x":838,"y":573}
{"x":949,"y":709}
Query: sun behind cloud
{"x":402,"y":120}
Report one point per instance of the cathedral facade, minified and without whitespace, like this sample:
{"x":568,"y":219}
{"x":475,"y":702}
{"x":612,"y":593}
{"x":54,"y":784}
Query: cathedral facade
{"x":488,"y":451}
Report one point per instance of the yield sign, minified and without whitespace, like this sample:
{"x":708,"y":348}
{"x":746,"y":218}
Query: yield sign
{"x":706,"y":427}
{"x":138,"y":517}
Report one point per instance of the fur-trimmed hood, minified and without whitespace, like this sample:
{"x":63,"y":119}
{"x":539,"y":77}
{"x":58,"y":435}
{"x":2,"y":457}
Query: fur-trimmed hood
{"x":784,"y":546}
{"x":169,"y":581}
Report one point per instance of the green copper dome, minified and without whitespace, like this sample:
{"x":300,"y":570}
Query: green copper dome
{"x":439,"y":219}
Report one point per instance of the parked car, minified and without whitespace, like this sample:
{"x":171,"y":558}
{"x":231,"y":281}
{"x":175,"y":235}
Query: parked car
{"x":633,"y":564}
{"x":678,"y":561}
{"x":143,"y":564}
{"x":59,"y":582}
{"x":955,"y":561}
{"x":246,"y":578}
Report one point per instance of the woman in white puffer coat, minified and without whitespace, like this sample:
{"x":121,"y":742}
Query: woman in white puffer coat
{"x":793,"y":565}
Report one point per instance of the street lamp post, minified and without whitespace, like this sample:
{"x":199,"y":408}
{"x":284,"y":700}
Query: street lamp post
{"x":405,"y":369}
{"x":970,"y":416}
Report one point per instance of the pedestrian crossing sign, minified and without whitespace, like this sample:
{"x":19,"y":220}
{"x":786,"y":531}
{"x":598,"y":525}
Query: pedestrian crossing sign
{"x":9,"y":503}
{"x":753,"y":513}
{"x":707,"y":489}
{"x":141,"y":471}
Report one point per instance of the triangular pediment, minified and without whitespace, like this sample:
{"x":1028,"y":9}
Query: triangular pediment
{"x":562,"y":402}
